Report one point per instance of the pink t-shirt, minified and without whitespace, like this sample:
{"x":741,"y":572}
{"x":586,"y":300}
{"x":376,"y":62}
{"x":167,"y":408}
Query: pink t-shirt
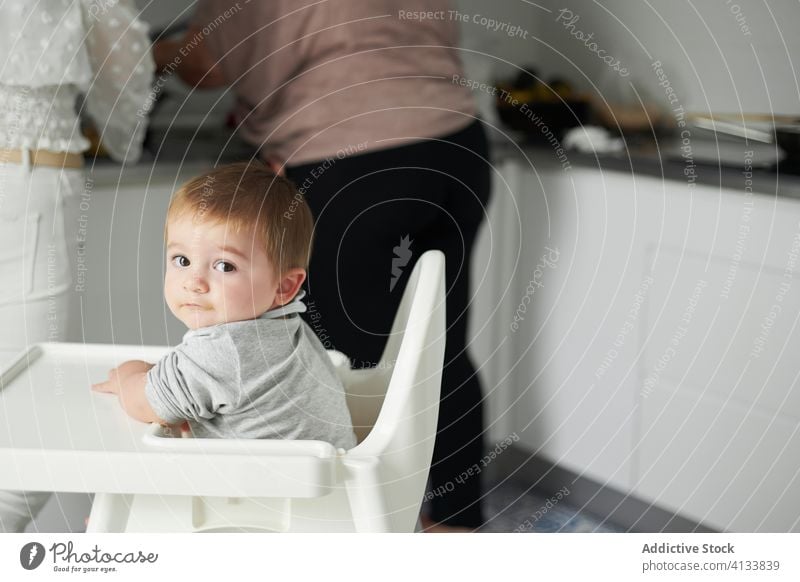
{"x":324,"y":79}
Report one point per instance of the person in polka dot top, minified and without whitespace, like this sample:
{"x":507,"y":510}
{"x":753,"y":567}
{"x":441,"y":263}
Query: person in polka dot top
{"x":51,"y":52}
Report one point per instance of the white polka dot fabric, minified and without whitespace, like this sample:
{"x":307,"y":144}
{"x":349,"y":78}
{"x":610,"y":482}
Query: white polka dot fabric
{"x":52,"y":50}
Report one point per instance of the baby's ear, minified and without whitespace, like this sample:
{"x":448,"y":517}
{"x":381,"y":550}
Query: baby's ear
{"x":289,"y":285}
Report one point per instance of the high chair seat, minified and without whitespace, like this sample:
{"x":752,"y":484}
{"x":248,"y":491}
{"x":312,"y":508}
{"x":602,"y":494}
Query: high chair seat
{"x":60,"y":436}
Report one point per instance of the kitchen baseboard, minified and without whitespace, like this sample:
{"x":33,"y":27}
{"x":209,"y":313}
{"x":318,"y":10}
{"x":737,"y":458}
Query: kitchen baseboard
{"x":624,"y":510}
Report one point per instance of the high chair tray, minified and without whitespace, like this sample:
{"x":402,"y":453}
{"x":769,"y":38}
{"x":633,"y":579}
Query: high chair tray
{"x":56,"y":434}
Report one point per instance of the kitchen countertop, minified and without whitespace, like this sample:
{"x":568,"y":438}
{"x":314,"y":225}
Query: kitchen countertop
{"x":180,"y":153}
{"x":664,"y":160}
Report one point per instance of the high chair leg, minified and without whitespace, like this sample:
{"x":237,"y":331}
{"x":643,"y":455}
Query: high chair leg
{"x":109,"y":513}
{"x":365,"y":494}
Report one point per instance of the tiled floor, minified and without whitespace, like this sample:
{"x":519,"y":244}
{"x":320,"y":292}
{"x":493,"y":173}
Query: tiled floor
{"x":510,"y":507}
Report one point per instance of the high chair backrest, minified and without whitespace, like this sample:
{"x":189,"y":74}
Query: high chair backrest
{"x":395,"y":408}
{"x":403,"y":389}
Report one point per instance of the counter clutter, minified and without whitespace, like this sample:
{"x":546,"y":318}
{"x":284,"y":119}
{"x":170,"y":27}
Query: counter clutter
{"x":721,"y":163}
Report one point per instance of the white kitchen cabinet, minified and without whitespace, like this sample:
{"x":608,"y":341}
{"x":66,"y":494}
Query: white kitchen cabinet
{"x":719,"y":461}
{"x":496,"y":259}
{"x":633,"y":364}
{"x":718,"y":439}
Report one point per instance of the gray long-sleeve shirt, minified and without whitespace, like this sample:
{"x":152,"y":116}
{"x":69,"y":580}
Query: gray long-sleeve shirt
{"x":266,"y":378}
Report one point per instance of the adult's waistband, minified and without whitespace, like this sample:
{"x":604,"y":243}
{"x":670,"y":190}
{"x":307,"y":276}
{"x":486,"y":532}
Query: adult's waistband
{"x":42,"y":158}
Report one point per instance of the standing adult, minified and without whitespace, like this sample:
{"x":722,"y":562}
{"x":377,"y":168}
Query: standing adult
{"x":360,"y":102}
{"x":52,"y":50}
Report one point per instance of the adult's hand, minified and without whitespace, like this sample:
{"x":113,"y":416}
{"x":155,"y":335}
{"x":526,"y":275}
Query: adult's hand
{"x":190,"y":58}
{"x":276,"y":165}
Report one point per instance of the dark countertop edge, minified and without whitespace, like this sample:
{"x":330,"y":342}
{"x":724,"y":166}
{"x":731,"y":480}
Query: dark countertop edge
{"x":764,"y":182}
{"x":641,"y":160}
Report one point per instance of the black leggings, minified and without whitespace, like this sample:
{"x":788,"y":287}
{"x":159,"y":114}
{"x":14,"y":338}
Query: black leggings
{"x":433,"y":194}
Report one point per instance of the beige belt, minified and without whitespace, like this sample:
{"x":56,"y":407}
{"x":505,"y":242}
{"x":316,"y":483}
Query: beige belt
{"x":43,"y":158}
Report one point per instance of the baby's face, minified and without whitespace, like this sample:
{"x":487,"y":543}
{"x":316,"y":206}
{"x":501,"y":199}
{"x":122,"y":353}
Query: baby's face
{"x":216,"y":275}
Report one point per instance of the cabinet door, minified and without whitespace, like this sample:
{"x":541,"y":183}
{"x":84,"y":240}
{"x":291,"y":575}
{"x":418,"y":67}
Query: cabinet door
{"x":559,"y":293}
{"x":719,"y":439}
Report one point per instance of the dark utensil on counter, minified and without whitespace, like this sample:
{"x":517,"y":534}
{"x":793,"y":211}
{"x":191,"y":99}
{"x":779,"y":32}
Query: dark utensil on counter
{"x":536,"y":109}
{"x":537,"y":119}
{"x":787,"y":137}
{"x":781,"y":130}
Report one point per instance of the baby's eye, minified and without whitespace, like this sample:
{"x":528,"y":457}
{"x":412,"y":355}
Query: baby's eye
{"x":224,"y":267}
{"x":180,"y":261}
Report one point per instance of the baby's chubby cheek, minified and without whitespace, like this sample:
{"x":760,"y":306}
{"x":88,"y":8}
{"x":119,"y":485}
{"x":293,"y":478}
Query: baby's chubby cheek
{"x":237,"y":311}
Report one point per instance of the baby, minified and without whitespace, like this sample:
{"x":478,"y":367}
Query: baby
{"x":238,"y":240}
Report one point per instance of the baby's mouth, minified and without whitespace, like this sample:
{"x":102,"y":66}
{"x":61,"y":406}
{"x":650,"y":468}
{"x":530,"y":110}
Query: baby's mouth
{"x":195,"y":306}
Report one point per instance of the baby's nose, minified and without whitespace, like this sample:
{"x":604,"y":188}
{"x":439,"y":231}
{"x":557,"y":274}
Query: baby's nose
{"x":196,"y":284}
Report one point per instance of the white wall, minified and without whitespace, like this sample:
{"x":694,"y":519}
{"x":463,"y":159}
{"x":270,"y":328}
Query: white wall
{"x":712,"y":63}
{"x":499,"y":45}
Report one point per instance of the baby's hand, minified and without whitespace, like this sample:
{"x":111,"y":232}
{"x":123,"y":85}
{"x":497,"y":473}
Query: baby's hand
{"x":133,"y":367}
{"x":177,"y":430}
{"x":118,"y":375}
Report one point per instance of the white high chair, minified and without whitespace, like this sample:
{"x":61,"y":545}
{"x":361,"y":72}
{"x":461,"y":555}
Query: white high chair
{"x":62,"y":437}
